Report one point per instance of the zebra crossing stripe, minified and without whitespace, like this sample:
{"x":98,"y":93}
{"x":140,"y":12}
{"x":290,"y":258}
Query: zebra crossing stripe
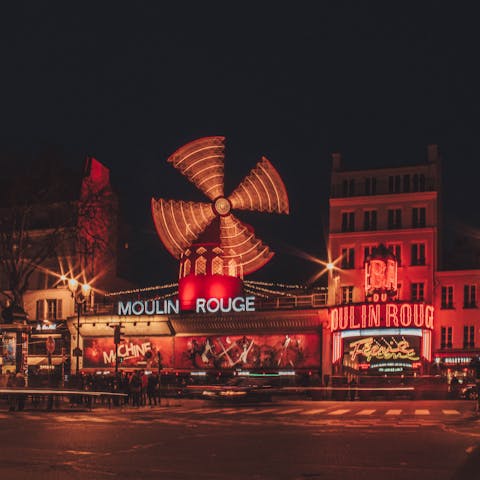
{"x":451,"y":412}
{"x":340,"y":412}
{"x":263,"y":410}
{"x":422,"y":412}
{"x":365,"y":412}
{"x":286,"y":412}
{"x":314,"y":411}
{"x":393,"y":412}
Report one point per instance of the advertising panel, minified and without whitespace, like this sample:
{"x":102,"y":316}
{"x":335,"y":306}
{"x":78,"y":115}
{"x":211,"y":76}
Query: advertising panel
{"x":383,"y":354}
{"x":100,"y":352}
{"x":9,"y":348}
{"x":268,"y":352}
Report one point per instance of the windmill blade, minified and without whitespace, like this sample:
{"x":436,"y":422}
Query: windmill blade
{"x":239,"y":244}
{"x":179,"y":223}
{"x":201,"y":161}
{"x":262,"y":190}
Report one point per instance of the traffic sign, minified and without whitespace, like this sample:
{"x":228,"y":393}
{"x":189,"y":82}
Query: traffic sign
{"x":50,"y":344}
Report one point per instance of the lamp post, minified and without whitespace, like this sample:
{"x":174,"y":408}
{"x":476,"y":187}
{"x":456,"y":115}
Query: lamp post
{"x":80,"y":293}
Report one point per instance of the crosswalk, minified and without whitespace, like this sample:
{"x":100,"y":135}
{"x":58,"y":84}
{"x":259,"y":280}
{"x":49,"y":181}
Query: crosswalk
{"x":163,"y":414}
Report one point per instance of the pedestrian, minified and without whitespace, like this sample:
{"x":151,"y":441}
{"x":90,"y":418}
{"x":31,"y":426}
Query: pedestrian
{"x":20,"y":383}
{"x":135,"y":389}
{"x":152,"y":389}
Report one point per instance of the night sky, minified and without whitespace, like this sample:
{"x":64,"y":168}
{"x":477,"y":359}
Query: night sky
{"x":130,"y":82}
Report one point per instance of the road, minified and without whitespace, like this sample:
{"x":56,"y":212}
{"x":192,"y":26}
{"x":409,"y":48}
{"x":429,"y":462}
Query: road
{"x":296,"y":440}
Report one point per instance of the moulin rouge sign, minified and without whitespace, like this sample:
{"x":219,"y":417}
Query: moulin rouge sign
{"x":381,"y":315}
{"x":202,"y":305}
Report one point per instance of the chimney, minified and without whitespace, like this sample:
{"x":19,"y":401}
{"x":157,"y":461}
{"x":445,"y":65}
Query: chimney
{"x":433,"y":154}
{"x":336,"y":162}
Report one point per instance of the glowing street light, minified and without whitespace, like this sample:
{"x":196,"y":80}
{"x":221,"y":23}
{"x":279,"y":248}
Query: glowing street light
{"x":80,"y":293}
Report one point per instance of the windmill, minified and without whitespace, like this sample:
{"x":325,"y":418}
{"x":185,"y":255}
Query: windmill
{"x":216,"y":249}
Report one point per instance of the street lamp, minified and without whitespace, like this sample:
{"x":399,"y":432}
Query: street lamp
{"x":80,"y":293}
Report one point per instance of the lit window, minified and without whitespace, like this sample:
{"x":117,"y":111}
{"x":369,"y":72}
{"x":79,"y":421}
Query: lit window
{"x":187,"y":265}
{"x":232,"y":268}
{"x":217,"y":266}
{"x":201,"y":266}
{"x":347,"y":294}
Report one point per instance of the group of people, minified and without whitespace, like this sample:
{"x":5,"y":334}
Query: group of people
{"x":139,"y":386}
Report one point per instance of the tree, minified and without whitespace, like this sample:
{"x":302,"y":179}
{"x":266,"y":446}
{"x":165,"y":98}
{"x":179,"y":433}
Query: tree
{"x":50,"y":214}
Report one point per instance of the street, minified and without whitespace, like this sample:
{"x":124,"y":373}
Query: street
{"x":288,"y":440}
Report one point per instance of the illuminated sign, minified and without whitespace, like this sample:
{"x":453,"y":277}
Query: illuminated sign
{"x":202,"y":305}
{"x":377,"y":315}
{"x":42,"y":327}
{"x":382,"y":353}
{"x":382,"y":350}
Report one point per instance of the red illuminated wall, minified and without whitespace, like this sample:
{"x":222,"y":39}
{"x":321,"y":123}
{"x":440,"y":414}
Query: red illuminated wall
{"x":192,"y":287}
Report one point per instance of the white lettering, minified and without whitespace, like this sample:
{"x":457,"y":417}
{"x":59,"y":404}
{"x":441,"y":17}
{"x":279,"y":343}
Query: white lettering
{"x":200,"y":305}
{"x":138,"y":308}
{"x":124,"y":309}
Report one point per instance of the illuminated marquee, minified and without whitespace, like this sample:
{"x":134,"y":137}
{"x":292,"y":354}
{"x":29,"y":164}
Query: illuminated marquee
{"x":202,"y":305}
{"x":370,"y":347}
{"x":378,"y":315}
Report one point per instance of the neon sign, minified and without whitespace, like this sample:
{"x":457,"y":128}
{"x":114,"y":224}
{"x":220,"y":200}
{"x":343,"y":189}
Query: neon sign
{"x":202,"y":305}
{"x":389,"y":315}
{"x":370,"y":347}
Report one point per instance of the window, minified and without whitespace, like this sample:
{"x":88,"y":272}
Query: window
{"x":406,"y":183}
{"x":446,"y":337}
{"x":187,"y":267}
{"x":348,"y":221}
{"x":396,"y":249}
{"x":447,"y":297}
{"x":418,"y":217}
{"x":50,"y":309}
{"x":217,"y":266}
{"x":418,"y":254}
{"x":419,"y":183}
{"x":394,"y":183}
{"x":347,"y":294}
{"x":370,"y":220}
{"x":470,"y":296}
{"x":367,"y":251}
{"x":201,"y":266}
{"x":348,"y":258}
{"x":370,"y":186}
{"x":348,"y":188}
{"x":418,"y":292}
{"x":468,"y":336}
{"x":394,"y":218}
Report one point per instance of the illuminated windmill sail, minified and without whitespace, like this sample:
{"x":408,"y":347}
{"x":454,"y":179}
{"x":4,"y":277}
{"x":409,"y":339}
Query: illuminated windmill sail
{"x":180,"y":223}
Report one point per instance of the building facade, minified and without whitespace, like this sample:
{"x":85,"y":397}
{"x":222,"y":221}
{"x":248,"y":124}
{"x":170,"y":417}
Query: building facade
{"x":397,"y":210}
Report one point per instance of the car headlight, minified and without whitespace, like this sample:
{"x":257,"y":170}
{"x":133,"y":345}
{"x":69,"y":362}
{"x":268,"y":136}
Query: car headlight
{"x":233,"y":393}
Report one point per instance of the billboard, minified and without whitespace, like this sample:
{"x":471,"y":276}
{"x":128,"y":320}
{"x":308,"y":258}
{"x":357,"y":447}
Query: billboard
{"x":99,"y":352}
{"x":260,"y":352}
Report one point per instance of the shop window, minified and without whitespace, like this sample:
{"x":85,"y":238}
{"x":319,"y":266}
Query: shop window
{"x":419,"y":217}
{"x":447,"y":296}
{"x":348,"y":258}
{"x":201,"y":266}
{"x":347,"y":294}
{"x":468,"y":336}
{"x":348,"y":221}
{"x":418,"y":254}
{"x":370,"y":220}
{"x":418,"y":292}
{"x":446,"y":337}
{"x":394,"y":217}
{"x":470,"y":296}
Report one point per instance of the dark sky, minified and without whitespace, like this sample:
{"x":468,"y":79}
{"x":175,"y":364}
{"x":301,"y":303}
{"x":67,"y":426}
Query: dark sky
{"x":130,"y":82}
